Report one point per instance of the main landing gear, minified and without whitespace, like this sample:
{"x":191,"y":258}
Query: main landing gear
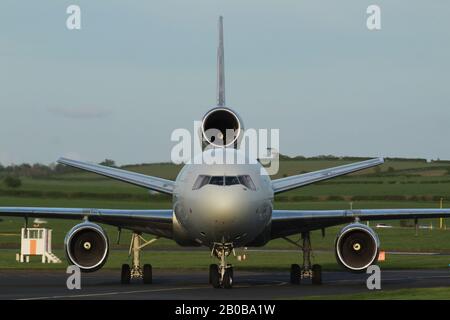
{"x":136,"y":272}
{"x":221,"y":276}
{"x":306,"y":271}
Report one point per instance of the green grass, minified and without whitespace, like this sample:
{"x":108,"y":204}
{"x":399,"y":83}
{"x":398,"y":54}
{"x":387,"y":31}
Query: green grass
{"x":200,"y":259}
{"x":402,"y":294}
{"x":403,"y":239}
{"x":411,"y":178}
{"x":419,"y":179}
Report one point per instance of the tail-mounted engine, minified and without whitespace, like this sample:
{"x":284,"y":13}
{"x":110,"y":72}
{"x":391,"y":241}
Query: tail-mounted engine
{"x":222,"y":127}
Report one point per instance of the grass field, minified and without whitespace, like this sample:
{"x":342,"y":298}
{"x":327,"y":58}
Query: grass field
{"x":396,"y":184}
{"x":403,"y":294}
{"x":200,"y":259}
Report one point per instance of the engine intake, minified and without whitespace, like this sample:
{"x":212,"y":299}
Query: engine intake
{"x":87,"y":246}
{"x":222,"y":127}
{"x":357,"y":247}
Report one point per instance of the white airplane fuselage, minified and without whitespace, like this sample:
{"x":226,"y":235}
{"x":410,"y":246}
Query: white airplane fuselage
{"x":231,"y":212}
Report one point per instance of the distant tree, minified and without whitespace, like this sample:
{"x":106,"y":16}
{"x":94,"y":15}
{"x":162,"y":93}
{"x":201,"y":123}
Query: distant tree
{"x":12,"y":181}
{"x":108,"y":163}
{"x":62,"y":169}
{"x":40,"y":171}
{"x":2,"y":168}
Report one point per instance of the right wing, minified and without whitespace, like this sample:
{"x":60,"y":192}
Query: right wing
{"x":289,"y":222}
{"x":157,"y":222}
{"x":138,"y":179}
{"x":289,"y":183}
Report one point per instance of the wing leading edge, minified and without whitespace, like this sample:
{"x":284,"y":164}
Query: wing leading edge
{"x":289,"y":222}
{"x":293,"y":182}
{"x":138,"y":179}
{"x":157,"y":222}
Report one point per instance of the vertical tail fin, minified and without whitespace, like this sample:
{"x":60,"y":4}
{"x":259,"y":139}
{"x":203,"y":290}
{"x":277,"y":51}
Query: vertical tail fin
{"x":220,"y":67}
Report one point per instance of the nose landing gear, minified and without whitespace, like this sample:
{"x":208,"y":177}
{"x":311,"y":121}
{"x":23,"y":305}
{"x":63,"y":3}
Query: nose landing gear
{"x":306,"y":271}
{"x":221,"y":276}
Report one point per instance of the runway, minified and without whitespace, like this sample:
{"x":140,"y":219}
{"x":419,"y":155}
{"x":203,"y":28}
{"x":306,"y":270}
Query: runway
{"x":184,"y":284}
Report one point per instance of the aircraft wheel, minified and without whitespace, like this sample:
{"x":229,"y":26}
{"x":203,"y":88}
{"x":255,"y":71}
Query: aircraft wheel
{"x":126,"y":274}
{"x":228,"y":278}
{"x":214,"y":275}
{"x":212,"y":268}
{"x":295,"y":274}
{"x":147,"y":274}
{"x":316,"y":274}
{"x":230,"y":267}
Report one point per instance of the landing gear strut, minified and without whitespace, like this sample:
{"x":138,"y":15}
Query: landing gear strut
{"x":306,"y":271}
{"x":136,"y":272}
{"x":221,"y":276}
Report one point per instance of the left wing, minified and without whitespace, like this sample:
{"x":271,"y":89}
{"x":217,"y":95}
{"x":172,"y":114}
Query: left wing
{"x":157,"y":222}
{"x":289,"y":222}
{"x":138,"y":179}
{"x":289,"y":183}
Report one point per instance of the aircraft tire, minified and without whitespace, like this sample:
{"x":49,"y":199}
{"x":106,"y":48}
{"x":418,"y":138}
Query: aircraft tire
{"x":147,"y":274}
{"x":125,"y":276}
{"x":212,"y":269}
{"x":214,"y":275}
{"x":228,"y":278}
{"x":295,"y":274}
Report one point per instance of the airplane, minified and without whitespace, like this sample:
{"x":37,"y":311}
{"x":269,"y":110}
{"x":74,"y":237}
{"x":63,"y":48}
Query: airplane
{"x":222,"y":207}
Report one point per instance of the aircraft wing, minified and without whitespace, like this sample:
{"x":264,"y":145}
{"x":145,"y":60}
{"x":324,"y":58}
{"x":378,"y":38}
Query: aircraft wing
{"x":289,"y":183}
{"x":138,"y":179}
{"x":289,"y":222}
{"x":157,"y":222}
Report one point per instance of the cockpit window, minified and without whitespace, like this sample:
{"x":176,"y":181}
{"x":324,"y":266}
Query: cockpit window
{"x":247,"y":181}
{"x":217,"y":180}
{"x":244,"y":180}
{"x":231,"y":180}
{"x":201,"y":181}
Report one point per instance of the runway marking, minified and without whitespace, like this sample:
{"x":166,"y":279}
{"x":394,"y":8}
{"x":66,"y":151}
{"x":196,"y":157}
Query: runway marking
{"x":250,"y":283}
{"x":278,"y":283}
{"x":108,"y":293}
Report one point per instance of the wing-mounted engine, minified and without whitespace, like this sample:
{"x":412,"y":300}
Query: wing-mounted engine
{"x":87,"y":246}
{"x":357,"y":247}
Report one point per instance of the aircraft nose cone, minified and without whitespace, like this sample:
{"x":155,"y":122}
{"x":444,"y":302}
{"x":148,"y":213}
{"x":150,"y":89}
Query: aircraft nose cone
{"x":226,"y":207}
{"x":223,"y":213}
{"x":230,"y":214}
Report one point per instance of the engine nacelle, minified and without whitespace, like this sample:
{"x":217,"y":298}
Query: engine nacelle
{"x":87,"y":246}
{"x":357,"y":247}
{"x":222,"y":127}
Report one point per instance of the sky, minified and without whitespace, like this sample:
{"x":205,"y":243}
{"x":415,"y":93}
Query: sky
{"x":137,"y":70}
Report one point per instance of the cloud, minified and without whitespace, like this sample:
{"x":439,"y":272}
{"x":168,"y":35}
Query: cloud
{"x":80,"y":112}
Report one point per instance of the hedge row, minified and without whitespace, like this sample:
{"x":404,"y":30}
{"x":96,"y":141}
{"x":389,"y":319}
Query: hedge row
{"x":83,"y":195}
{"x":162,"y":197}
{"x":361,"y":198}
